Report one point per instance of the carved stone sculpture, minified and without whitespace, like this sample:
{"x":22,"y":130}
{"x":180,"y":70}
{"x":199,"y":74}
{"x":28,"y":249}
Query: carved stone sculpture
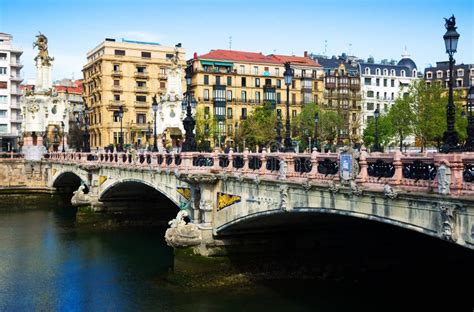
{"x":80,"y":198}
{"x":282,"y":170}
{"x":333,"y":187}
{"x":355,"y":189}
{"x":448,"y":219}
{"x":182,"y":234}
{"x":444,"y":179}
{"x":284,"y":197}
{"x":389,"y":192}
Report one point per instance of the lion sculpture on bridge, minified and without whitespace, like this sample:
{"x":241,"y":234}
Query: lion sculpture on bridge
{"x":182,"y":234}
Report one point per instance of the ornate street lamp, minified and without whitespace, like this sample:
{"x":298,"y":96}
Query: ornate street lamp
{"x":120,"y":115}
{"x":316,"y":121}
{"x":469,"y":147}
{"x":450,"y":137}
{"x":288,"y":74}
{"x":154,"y":106}
{"x":148,"y":134}
{"x":189,"y":144}
{"x":62,"y":131}
{"x":376,"y":140}
{"x":278,"y":131}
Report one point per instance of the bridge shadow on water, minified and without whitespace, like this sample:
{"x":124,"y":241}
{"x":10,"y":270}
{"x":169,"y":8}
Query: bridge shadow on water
{"x":373,"y":266}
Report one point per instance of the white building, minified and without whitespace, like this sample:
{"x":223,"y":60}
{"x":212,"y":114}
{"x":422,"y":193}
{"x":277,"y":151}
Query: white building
{"x":382,"y":84}
{"x":10,"y":94}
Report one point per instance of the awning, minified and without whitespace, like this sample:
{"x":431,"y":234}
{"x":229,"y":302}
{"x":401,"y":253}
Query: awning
{"x":217,"y":63}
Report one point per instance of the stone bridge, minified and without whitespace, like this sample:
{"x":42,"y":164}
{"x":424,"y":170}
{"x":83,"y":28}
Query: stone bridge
{"x":229,"y":194}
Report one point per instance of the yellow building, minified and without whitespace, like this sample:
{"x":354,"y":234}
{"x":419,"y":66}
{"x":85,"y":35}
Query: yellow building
{"x":228,"y":85}
{"x":127,"y":74}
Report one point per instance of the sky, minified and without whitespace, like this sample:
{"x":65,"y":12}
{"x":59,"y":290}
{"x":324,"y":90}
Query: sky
{"x":378,"y":28}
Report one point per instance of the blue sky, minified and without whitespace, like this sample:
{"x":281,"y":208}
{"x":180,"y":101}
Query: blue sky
{"x":363,"y":27}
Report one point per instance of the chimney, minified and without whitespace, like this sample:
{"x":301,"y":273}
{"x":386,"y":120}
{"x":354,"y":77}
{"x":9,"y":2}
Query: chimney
{"x":195,"y":55}
{"x":305,"y":53}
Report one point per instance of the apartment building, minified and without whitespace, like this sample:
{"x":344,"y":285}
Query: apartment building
{"x":228,"y":85}
{"x":10,"y":93}
{"x":125,"y":74}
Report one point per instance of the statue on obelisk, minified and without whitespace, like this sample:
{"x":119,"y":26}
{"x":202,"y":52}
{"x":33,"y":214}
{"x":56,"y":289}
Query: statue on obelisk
{"x":43,"y":63}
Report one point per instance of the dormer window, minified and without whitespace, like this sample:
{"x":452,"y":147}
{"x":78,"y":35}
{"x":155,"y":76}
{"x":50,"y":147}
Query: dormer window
{"x":460,"y":72}
{"x":439,"y":74}
{"x":429,"y":75}
{"x":403,"y":73}
{"x":385,"y":72}
{"x":367,"y":71}
{"x":414,"y":73}
{"x":392,"y":72}
{"x":377,"y":71}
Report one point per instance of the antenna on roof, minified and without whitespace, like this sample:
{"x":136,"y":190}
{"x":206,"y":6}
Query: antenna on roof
{"x":230,"y":42}
{"x":325,"y":47}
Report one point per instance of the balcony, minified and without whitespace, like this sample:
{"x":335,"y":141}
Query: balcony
{"x":162,"y":76}
{"x":16,"y":92}
{"x":117,"y":73}
{"x":16,"y":78}
{"x":142,"y":75}
{"x":113,"y":104}
{"x":16,"y":119}
{"x":16,"y":64}
{"x":141,"y":104}
{"x":15,"y":106}
{"x":141,"y":89}
{"x":116,"y":88}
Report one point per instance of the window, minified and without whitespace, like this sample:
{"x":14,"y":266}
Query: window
{"x":278,"y":97}
{"x":141,"y":118}
{"x":278,"y":83}
{"x":218,"y":80}
{"x":403,"y":73}
{"x":116,"y":97}
{"x":244,"y":113}
{"x":370,"y":106}
{"x":385,"y":72}
{"x":385,"y":96}
{"x":146,"y":55}
{"x":206,"y":94}
{"x":255,"y":70}
{"x":293,"y":98}
{"x":229,"y":95}
{"x":116,"y":67}
{"x":370,"y":94}
{"x":162,"y":71}
{"x":378,"y":95}
{"x":229,"y":112}
{"x":3,"y":56}
{"x":392,"y":72}
{"x":459,"y":83}
{"x":257,"y":82}
{"x":241,"y":69}
{"x":392,"y":83}
{"x":279,"y":113}
{"x":293,"y":113}
{"x":392,"y":97}
{"x":116,"y":82}
{"x":277,"y":72}
{"x":141,"y":69}
{"x":385,"y":82}
{"x":206,"y":79}
{"x":169,"y":56}
{"x":140,"y":98}
{"x":229,"y":81}
{"x":293,"y":84}
{"x":460,"y":72}
{"x":219,"y":111}
{"x":377,"y":82}
{"x":141,"y":84}
{"x":414,"y":73}
{"x":244,"y":82}
{"x":3,"y":70}
{"x":115,"y":117}
{"x":377,"y":71}
{"x":162,"y":85}
{"x":3,"y":99}
{"x":354,"y":116}
{"x":244,"y":96}
{"x":439,"y":74}
{"x":367,"y":71}
{"x":268,"y":82}
{"x":3,"y":113}
{"x":429,"y":75}
{"x":120,"y":52}
{"x":367,"y":81}
{"x":257,"y":96}
{"x":3,"y":128}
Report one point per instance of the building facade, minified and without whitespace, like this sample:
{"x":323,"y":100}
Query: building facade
{"x":463,"y":78}
{"x":228,"y":85}
{"x":125,"y":74}
{"x":342,"y":93}
{"x":71,"y":90}
{"x":383,"y":83}
{"x":10,"y":93}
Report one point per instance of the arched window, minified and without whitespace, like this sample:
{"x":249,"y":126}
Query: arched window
{"x":403,"y":73}
{"x":377,"y":71}
{"x":392,"y":72}
{"x":414,"y":73}
{"x":367,"y":71}
{"x":385,"y":72}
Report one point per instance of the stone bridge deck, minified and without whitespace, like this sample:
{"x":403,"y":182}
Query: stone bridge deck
{"x":229,"y":193}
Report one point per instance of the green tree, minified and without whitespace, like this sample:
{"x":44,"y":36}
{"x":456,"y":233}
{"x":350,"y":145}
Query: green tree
{"x":384,"y":129}
{"x":259,"y":127}
{"x":304,"y":126}
{"x":205,"y":129}
{"x":330,"y":123}
{"x":401,"y":118}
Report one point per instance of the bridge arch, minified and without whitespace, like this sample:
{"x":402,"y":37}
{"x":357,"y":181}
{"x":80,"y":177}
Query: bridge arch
{"x":130,"y":188}
{"x":282,"y":220}
{"x":67,"y":180}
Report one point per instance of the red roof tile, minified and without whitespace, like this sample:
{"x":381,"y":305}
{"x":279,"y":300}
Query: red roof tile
{"x":295,"y":60}
{"x":240,"y":56}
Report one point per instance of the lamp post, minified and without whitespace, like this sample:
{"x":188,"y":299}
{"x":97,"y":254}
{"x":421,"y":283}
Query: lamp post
{"x":148,"y":134}
{"x":450,"y":136}
{"x":469,"y":147}
{"x":154,"y":106}
{"x":288,"y":74}
{"x":376,"y":140}
{"x":316,"y":121}
{"x":62,"y":131}
{"x":120,"y":115}
{"x":189,"y":144}
{"x":278,"y":131}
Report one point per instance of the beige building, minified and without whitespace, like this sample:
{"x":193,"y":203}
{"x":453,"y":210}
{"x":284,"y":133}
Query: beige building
{"x":228,"y":85}
{"x":127,"y":74}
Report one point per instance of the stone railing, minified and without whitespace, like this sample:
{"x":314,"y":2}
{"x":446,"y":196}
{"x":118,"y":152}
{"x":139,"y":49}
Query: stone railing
{"x":412,"y":173}
{"x":10,"y":155}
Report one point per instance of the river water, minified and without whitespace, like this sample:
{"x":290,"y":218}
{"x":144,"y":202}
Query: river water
{"x":47,"y":263}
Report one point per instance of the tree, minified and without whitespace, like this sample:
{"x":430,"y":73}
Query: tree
{"x":259,"y":127}
{"x":330,"y":123}
{"x":384,"y":129}
{"x":401,"y":118}
{"x":205,"y":129}
{"x":304,"y":126}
